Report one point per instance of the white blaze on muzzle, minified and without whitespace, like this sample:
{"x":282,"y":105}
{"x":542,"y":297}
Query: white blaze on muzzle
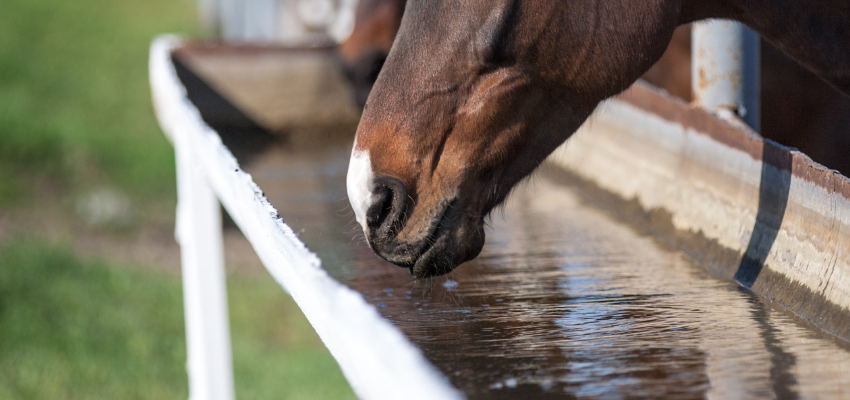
{"x":359,"y":184}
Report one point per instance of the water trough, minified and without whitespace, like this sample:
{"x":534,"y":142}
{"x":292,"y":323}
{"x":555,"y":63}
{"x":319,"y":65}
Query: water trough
{"x":661,"y":252}
{"x":748,"y":208}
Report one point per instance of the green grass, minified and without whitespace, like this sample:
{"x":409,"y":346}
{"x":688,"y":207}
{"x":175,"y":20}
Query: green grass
{"x":75,"y":113}
{"x":74,"y":96}
{"x":277,"y":355}
{"x":77,"y":329}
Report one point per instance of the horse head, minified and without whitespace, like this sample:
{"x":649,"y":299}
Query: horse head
{"x":475,"y":94}
{"x":472,"y":98}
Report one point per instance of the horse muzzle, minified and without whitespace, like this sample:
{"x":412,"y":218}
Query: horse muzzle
{"x":434,"y":245}
{"x":440,"y":244}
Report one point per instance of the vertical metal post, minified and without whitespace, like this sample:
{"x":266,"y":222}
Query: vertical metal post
{"x":232,"y":14}
{"x":343,"y":23}
{"x":209,"y":16}
{"x":255,"y":21}
{"x":725,"y":69}
{"x":260,"y":25}
{"x":204,"y":291}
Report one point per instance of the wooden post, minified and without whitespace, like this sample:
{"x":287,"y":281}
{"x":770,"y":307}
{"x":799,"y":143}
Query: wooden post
{"x":199,"y":233}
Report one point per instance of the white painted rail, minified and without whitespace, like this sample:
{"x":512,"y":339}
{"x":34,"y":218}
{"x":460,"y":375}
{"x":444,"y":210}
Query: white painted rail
{"x":376,"y":358}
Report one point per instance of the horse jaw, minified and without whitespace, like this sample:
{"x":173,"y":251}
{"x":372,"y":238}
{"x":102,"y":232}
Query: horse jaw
{"x":359,"y":184}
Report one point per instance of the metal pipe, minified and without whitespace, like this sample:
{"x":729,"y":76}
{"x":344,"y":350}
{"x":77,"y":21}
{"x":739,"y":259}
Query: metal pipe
{"x":725,"y":69}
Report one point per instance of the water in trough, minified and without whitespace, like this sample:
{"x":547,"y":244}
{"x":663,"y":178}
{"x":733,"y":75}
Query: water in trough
{"x":564,"y":301}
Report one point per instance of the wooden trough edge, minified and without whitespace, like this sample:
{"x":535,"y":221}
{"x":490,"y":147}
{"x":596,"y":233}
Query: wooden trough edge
{"x":747,"y":208}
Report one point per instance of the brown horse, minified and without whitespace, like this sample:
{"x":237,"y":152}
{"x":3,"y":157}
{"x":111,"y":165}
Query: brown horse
{"x":798,"y":109}
{"x":475,"y":94}
{"x":364,"y":52}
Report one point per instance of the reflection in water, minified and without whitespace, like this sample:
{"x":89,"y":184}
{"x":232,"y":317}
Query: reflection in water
{"x":563,"y":301}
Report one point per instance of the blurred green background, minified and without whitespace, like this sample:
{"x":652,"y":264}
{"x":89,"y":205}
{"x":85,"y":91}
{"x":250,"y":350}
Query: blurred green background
{"x":90,"y":292}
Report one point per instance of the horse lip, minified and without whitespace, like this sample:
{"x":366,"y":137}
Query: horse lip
{"x":435,"y":239}
{"x":421,"y":268}
{"x":416,"y":255}
{"x":425,"y":252}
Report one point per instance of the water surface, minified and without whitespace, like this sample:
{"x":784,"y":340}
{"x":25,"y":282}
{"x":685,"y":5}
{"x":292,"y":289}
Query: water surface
{"x":564,"y":302}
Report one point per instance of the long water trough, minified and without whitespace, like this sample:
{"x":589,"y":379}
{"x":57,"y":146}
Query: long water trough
{"x":662,"y":252}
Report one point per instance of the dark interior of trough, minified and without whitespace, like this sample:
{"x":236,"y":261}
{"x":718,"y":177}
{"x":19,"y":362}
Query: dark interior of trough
{"x":568,"y":299}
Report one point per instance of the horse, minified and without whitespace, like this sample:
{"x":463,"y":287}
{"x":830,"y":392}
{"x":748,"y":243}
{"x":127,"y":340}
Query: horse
{"x":798,"y":109}
{"x":363,"y":53}
{"x":475,"y":94}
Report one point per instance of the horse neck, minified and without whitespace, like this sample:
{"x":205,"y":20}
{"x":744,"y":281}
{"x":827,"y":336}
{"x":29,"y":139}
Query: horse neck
{"x":815,"y":33}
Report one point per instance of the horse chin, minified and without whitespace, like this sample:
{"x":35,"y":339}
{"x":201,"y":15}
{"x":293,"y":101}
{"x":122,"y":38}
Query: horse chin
{"x":429,"y":265}
{"x":450,"y":249}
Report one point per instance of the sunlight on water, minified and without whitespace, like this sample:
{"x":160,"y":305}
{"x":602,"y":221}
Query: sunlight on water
{"x":565,"y":301}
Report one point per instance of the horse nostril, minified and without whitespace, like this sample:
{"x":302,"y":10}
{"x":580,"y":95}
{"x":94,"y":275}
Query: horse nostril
{"x":382,"y":204}
{"x":388,"y":204}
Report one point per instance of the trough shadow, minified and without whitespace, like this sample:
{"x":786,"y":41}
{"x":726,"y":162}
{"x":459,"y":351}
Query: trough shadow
{"x":782,"y":362}
{"x":243,"y":136}
{"x":774,"y":188}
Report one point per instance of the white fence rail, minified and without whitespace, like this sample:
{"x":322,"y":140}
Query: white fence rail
{"x":375,"y":357}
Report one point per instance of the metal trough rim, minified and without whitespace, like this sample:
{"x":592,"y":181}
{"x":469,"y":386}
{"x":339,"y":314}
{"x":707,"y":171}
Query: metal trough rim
{"x":725,"y":196}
